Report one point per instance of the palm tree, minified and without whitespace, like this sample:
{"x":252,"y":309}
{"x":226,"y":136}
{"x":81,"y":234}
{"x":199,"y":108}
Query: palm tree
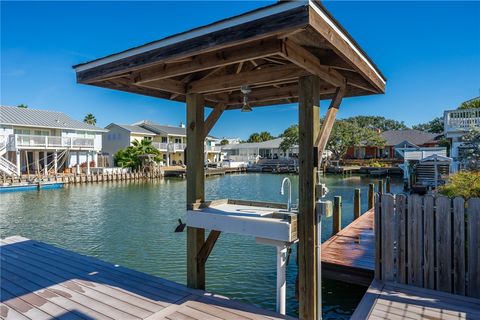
{"x":144,"y":147}
{"x":130,"y":156}
{"x":265,"y":136}
{"x":90,"y":119}
{"x":254,"y":137}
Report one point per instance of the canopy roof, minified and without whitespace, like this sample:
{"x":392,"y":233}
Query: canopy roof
{"x":267,"y":49}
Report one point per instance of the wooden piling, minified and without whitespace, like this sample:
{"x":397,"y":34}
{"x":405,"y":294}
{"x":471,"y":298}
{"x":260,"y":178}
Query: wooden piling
{"x":371,"y":191}
{"x":356,"y":204}
{"x":195,"y":186}
{"x":380,"y":186}
{"x":309,"y":126}
{"x":337,"y":215}
{"x":387,"y":185}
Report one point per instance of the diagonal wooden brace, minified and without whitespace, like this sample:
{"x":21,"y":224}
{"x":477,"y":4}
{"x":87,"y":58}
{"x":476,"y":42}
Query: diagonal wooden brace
{"x":326,"y":129}
{"x":207,"y":247}
{"x":213,"y":118}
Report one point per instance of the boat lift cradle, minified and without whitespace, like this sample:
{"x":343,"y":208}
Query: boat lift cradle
{"x":269,"y":223}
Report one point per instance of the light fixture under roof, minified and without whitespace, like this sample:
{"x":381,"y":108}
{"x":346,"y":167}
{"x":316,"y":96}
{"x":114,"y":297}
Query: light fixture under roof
{"x":246,"y":91}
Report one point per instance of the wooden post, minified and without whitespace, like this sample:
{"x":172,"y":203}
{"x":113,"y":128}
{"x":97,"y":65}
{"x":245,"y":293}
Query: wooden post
{"x":371,"y":191}
{"x":356,"y":204}
{"x":337,"y":215}
{"x":380,"y":186}
{"x":195,"y":187}
{"x":309,"y":123}
{"x":387,"y":185}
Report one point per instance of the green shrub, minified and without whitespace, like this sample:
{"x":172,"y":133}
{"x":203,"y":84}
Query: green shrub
{"x":464,"y":183}
{"x":374,"y":164}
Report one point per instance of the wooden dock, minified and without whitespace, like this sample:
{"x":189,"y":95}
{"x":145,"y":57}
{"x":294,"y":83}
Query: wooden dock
{"x":40,"y":281}
{"x":345,"y":170}
{"x":392,"y":301}
{"x":182,"y":171}
{"x":349,"y":255}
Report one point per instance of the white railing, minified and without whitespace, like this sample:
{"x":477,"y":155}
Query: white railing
{"x":213,"y":148}
{"x":160,"y":145}
{"x":8,"y":167}
{"x":3,"y":142}
{"x":35,"y":141}
{"x":174,"y":147}
{"x":461,"y":119}
{"x":177,"y":147}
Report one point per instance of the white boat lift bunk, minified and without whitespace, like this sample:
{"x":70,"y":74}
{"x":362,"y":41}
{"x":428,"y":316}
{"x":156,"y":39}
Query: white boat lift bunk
{"x":269,"y":223}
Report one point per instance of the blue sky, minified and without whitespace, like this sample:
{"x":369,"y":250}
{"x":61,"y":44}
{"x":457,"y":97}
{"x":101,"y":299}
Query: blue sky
{"x":429,"y":52}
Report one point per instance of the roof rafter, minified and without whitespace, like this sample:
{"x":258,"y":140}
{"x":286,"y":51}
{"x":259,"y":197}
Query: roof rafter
{"x":272,"y":75}
{"x":232,"y":55}
{"x":306,"y":60}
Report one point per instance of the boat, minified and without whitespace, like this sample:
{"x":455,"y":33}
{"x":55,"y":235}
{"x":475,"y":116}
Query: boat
{"x":30,"y":186}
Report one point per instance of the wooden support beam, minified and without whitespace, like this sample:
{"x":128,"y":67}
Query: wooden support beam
{"x":344,"y":50}
{"x":309,"y":122}
{"x":357,"y":204}
{"x":207,"y":247}
{"x":324,"y":135}
{"x":308,"y":61}
{"x":239,"y":67}
{"x":337,"y":215}
{"x":371,"y":193}
{"x":273,"y":75}
{"x":232,"y":55}
{"x":195,"y":186}
{"x":265,"y":94}
{"x":168,"y":85}
{"x":213,"y":118}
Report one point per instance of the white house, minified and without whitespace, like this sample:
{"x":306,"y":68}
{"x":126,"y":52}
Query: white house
{"x":251,"y":152}
{"x":171,"y":141}
{"x":456,"y":124}
{"x":40,"y":141}
{"x":120,"y":136}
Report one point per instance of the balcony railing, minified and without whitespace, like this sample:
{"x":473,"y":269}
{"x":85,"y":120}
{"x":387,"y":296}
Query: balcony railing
{"x":461,"y":120}
{"x":173,"y":147}
{"x":160,"y":145}
{"x":213,"y":148}
{"x":179,"y":147}
{"x":35,"y":141}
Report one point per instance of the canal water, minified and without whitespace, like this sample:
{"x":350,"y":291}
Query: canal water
{"x":132,"y":223}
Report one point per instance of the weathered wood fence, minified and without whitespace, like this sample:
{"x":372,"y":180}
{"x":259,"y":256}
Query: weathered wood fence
{"x":430,"y":242}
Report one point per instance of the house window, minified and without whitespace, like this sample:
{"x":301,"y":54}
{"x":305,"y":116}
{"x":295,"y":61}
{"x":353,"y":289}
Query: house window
{"x":41,"y":133}
{"x":164,"y":140}
{"x":21,"y":131}
{"x":178,"y":140}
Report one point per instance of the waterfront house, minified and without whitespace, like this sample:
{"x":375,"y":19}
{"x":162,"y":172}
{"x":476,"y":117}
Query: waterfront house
{"x":41,"y":141}
{"x":456,"y":124}
{"x":394,"y":139}
{"x":252,"y":151}
{"x":120,"y":136}
{"x":171,"y":141}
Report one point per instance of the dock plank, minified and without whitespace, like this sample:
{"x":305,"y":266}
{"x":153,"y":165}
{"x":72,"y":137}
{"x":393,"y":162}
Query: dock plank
{"x":40,"y":281}
{"x":387,"y":300}
{"x":349,"y":255}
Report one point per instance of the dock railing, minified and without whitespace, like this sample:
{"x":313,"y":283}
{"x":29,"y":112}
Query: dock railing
{"x":428,"y":241}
